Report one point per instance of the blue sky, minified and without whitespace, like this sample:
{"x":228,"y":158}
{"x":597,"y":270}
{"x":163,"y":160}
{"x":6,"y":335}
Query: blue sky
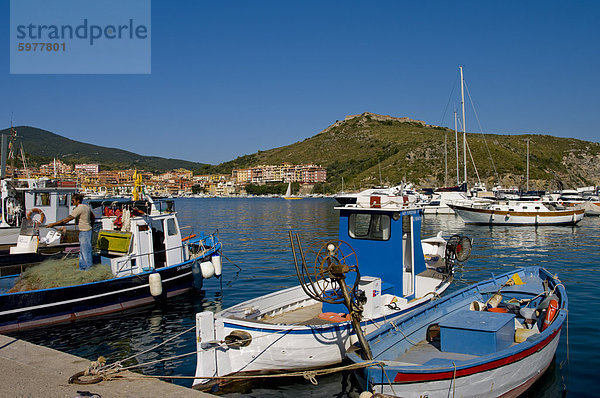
{"x":233,"y":77}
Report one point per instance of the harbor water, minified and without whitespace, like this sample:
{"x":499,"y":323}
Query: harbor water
{"x":254,"y":232}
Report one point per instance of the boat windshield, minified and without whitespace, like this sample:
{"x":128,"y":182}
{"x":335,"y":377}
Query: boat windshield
{"x":369,"y":226}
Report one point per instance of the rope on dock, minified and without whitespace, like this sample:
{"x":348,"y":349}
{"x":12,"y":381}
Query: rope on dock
{"x":309,"y":375}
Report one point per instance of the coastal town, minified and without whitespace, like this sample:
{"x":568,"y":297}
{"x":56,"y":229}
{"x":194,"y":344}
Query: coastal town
{"x":94,"y":181}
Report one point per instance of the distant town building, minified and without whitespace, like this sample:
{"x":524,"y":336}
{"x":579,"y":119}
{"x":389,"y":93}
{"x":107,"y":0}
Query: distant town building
{"x":302,"y":173}
{"x":91,"y":168}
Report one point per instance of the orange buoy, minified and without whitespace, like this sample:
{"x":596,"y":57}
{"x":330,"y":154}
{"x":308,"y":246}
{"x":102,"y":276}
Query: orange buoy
{"x":550,"y":313}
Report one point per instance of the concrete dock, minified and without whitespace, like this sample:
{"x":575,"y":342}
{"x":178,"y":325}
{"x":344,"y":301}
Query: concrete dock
{"x":29,"y":370}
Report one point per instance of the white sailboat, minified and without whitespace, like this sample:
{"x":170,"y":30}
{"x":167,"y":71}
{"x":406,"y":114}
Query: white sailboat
{"x":288,"y":193}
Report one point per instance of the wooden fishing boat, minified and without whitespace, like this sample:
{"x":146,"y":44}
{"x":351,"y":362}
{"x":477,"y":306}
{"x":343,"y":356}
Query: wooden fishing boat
{"x":288,"y":330}
{"x":491,"y":339}
{"x":518,"y":213}
{"x":148,"y":261}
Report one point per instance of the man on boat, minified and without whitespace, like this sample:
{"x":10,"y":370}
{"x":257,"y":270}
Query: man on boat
{"x":85,"y":220}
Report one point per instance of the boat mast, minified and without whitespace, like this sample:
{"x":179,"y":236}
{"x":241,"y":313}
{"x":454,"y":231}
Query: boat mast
{"x":456,"y":142}
{"x":527,"y":164}
{"x":446,"y":157}
{"x":464,"y":124}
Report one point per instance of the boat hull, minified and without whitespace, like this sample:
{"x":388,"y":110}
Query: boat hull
{"x":26,"y":310}
{"x":509,"y":380}
{"x":277,"y":348}
{"x":500,"y":217}
{"x":414,"y":366}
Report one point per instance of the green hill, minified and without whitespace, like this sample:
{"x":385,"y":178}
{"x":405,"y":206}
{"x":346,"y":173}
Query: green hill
{"x":358,"y":147}
{"x":362,"y":147}
{"x":42,"y":146}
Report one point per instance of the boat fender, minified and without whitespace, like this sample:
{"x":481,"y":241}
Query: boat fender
{"x":155,"y":282}
{"x":216,"y":262}
{"x":550,"y":313}
{"x":477,"y":306}
{"x":207,"y":268}
{"x":238,"y":339}
{"x":31,"y":213}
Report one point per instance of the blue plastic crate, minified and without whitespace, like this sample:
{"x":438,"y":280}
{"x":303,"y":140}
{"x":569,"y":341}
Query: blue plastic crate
{"x":477,"y":332}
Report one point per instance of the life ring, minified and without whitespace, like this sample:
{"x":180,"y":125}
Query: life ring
{"x":550,"y":313}
{"x":34,"y":211}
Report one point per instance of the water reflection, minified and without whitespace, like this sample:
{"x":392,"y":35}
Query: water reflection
{"x":255,"y":237}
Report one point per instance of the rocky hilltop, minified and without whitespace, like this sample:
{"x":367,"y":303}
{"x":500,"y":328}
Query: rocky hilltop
{"x":404,"y":149}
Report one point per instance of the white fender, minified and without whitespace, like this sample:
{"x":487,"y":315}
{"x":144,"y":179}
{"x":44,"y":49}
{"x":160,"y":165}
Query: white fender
{"x":207,"y":269}
{"x":216,"y":262}
{"x":155,"y":282}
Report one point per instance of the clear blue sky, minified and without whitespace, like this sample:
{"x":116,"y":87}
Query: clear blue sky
{"x":233,"y":77}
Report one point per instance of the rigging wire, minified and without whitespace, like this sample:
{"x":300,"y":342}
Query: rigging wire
{"x":449,"y":100}
{"x":481,"y":132}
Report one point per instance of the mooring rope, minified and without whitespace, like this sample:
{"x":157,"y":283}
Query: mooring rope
{"x":309,"y":375}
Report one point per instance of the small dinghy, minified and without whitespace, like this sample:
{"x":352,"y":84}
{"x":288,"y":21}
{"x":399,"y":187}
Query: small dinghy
{"x":491,"y":339}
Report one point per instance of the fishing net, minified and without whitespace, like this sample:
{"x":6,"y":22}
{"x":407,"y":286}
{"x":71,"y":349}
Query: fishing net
{"x":59,"y":272}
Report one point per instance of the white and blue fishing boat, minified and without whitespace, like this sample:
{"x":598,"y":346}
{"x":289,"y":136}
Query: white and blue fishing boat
{"x":290,"y":330}
{"x":145,"y":256}
{"x":491,"y":339}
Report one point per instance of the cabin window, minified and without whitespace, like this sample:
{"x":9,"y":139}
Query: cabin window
{"x":537,"y":207}
{"x":524,"y":207}
{"x":64,"y":200}
{"x":369,"y":226}
{"x":171,"y":227}
{"x":42,"y":199}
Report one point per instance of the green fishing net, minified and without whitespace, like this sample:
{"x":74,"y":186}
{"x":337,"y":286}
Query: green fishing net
{"x":59,"y":272}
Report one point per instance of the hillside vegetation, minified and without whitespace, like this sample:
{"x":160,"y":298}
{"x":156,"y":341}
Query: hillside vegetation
{"x":363,"y":147}
{"x":358,"y":147}
{"x":42,"y":146}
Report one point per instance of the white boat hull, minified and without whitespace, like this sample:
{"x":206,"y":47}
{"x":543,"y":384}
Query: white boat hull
{"x":499,"y":217}
{"x":276,"y":348}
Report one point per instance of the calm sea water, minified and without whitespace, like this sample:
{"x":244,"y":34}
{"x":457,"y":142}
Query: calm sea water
{"x":255,"y":237}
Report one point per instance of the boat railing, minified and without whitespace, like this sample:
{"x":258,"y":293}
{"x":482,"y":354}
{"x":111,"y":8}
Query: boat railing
{"x":204,"y":249}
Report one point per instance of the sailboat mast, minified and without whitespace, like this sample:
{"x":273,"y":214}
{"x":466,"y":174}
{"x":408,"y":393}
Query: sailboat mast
{"x":456,"y":142}
{"x":527,"y":164}
{"x":446,"y":157}
{"x":464,"y":123}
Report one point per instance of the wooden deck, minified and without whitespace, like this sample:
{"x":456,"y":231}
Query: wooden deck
{"x":302,"y":316}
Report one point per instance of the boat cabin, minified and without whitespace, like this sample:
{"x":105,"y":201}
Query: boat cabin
{"x":138,"y":236}
{"x":387,"y":242}
{"x":45,"y":201}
